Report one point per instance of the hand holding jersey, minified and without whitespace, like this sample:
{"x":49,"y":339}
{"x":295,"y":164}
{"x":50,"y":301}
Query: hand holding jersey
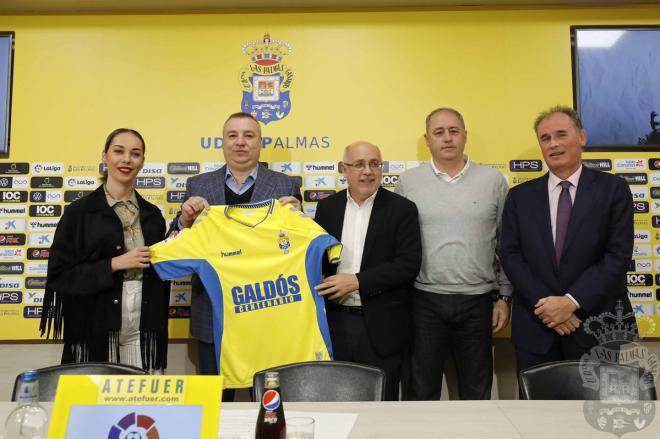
{"x":259,"y":264}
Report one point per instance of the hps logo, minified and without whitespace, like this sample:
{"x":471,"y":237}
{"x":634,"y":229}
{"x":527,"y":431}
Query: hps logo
{"x":149,"y":182}
{"x":10,"y":297}
{"x":525,"y":165}
{"x":175,"y":196}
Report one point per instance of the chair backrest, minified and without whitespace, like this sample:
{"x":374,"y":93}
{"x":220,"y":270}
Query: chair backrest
{"x":48,"y":376}
{"x":589,"y":380}
{"x":326,"y":381}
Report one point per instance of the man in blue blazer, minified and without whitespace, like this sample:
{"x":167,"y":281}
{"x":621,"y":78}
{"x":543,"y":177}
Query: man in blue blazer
{"x":240,"y":181}
{"x":567,"y":240}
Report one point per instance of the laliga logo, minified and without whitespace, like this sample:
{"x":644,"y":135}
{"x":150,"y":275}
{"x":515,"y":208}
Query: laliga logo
{"x":270,"y":400}
{"x":134,"y":426}
{"x":619,"y":409}
{"x":266,"y":81}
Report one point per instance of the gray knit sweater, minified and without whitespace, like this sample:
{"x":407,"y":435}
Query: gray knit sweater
{"x":460,"y":224}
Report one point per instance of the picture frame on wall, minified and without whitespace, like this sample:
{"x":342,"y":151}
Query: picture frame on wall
{"x":616,"y":86}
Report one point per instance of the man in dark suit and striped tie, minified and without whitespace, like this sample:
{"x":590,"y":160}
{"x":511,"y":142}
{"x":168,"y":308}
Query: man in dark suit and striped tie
{"x":240,"y":181}
{"x":567,"y":240}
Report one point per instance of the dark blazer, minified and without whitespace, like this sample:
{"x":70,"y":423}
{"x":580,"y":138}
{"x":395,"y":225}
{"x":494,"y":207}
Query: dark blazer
{"x":211,"y":186}
{"x":594,"y":260}
{"x":82,"y":288}
{"x":390,"y":262}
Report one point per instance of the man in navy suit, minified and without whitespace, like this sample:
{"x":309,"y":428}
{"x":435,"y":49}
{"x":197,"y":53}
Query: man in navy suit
{"x":367,"y":293}
{"x":240,"y":181}
{"x":567,"y":240}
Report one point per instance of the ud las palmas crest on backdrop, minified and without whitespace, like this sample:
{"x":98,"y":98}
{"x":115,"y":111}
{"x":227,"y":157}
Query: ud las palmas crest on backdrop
{"x":266,"y":81}
{"x":619,"y":410}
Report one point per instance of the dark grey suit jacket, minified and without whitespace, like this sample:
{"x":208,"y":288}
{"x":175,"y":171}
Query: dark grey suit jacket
{"x":211,"y":186}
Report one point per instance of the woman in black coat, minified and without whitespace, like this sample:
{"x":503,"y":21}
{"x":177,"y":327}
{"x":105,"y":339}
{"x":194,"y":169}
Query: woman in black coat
{"x":101,"y":294}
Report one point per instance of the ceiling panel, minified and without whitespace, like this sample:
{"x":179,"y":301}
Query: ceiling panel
{"x":68,"y":6}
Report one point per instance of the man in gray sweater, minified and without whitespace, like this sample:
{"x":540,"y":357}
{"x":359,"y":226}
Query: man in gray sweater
{"x":460,"y":209}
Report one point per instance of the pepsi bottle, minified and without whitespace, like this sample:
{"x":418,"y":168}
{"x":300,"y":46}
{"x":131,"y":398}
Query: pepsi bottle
{"x":270,"y":422}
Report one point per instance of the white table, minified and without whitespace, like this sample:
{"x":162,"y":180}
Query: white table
{"x":456,"y":419}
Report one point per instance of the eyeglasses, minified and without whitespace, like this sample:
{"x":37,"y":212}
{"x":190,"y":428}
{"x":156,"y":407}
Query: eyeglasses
{"x":360,"y":166}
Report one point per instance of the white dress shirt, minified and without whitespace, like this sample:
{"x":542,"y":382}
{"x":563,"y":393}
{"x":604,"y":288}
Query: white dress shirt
{"x":554,"y":190}
{"x":354,"y":231}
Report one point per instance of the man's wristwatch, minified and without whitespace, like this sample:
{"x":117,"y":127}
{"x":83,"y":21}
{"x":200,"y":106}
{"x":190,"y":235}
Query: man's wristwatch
{"x":506,"y":299}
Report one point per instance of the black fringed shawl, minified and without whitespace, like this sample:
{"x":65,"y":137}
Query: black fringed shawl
{"x":82,"y":301}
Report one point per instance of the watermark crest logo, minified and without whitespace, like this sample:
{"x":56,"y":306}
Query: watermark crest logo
{"x":619,"y":409}
{"x":266,"y":81}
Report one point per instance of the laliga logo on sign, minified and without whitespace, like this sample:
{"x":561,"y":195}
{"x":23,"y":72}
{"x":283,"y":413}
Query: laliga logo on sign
{"x":619,"y":410}
{"x":266,"y":81}
{"x":134,"y":426}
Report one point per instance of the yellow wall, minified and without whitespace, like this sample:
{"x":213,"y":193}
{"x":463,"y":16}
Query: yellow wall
{"x":369,"y":75}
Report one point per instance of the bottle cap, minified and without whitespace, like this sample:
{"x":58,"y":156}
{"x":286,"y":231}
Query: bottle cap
{"x":272,"y":376}
{"x":30,"y":376}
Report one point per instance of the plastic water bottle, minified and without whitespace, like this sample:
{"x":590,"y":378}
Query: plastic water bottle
{"x":29,"y":419}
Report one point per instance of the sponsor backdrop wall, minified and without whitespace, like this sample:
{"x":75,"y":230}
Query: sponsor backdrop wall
{"x":317,"y":81}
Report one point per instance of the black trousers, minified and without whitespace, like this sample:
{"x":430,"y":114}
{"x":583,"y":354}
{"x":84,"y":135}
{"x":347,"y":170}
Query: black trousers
{"x":350,"y":342}
{"x":561,"y":349}
{"x":456,"y":324}
{"x":208,"y":365}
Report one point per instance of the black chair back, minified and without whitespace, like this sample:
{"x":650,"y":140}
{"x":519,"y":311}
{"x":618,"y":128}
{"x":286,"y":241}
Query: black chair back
{"x":48,"y":376}
{"x":588,"y":380}
{"x":326,"y":381}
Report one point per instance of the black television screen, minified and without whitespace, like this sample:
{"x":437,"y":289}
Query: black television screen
{"x":6,"y":68}
{"x":616,"y":86}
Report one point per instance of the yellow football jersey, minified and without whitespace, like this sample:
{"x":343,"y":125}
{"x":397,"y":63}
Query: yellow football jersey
{"x":259,"y":264}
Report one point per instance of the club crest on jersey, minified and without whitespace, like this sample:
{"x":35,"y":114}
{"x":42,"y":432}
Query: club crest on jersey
{"x":271,"y":400}
{"x":266,"y":81}
{"x":283,"y":242}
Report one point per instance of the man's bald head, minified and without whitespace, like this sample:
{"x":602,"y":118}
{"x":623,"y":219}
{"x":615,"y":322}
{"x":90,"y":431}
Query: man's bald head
{"x":362,"y":167}
{"x":359,"y":145}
